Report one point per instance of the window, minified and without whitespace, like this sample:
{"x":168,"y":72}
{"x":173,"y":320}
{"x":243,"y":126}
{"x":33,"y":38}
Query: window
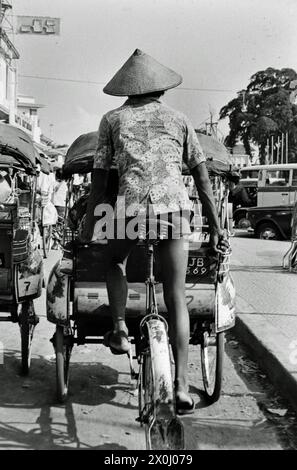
{"x":249,"y":174}
{"x":277,"y":177}
{"x":294,"y":179}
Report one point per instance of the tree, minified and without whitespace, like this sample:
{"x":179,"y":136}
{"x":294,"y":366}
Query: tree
{"x":265,"y":108}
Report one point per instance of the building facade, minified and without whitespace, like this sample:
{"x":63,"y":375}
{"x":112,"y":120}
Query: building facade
{"x":20,"y":110}
{"x":8,"y":67}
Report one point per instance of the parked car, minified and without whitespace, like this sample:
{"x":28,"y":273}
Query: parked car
{"x":242,"y":196}
{"x":271,"y":223}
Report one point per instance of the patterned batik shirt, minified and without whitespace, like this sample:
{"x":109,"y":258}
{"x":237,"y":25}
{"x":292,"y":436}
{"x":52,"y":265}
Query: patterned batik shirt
{"x":148,"y":142}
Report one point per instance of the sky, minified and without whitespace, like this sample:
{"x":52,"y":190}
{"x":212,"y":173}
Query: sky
{"x":216,"y":45}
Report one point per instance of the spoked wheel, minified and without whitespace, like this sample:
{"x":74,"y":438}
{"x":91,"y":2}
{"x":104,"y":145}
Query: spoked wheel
{"x":212,"y":354}
{"x":63,"y":346}
{"x":47,"y":239}
{"x":163,"y":430}
{"x":268,"y":231}
{"x":27,"y":321}
{"x":145,"y":392}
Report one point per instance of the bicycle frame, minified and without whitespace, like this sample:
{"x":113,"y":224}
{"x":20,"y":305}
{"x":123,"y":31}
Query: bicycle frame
{"x":151,"y":305}
{"x":160,"y":414}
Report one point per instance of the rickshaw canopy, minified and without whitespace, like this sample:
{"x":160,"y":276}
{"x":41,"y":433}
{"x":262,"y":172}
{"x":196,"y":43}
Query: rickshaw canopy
{"x":80,"y":156}
{"x":18,"y":144}
{"x":218,"y":159}
{"x":213,"y":149}
{"x":7,"y":161}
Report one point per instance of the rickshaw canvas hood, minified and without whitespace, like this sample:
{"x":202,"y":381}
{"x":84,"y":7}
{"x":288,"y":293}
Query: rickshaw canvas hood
{"x":18,"y":144}
{"x":80,"y":155}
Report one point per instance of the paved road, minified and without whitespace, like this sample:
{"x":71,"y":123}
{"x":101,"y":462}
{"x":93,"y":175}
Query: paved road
{"x":102,"y":407}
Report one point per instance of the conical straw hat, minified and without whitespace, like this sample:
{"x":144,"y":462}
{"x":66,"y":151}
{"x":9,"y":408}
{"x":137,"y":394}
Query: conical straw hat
{"x":141,"y":74}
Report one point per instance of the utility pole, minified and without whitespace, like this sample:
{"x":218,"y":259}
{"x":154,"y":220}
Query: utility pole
{"x":211,"y":127}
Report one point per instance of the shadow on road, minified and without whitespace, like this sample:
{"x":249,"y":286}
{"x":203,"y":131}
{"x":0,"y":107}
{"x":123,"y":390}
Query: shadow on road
{"x":265,"y":396}
{"x":91,"y":384}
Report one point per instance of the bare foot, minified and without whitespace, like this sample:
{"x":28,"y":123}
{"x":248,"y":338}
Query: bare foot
{"x":181,"y":392}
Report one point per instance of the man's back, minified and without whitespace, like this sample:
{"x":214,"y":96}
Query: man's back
{"x":148,"y":142}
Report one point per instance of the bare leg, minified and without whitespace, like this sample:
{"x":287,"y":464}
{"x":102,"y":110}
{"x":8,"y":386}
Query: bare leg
{"x":116,"y":281}
{"x":174,"y":257}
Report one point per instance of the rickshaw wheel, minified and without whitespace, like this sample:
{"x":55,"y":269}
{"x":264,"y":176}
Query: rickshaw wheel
{"x":63,"y":353}
{"x":27,"y":322}
{"x":46,"y":239}
{"x":212,"y":356}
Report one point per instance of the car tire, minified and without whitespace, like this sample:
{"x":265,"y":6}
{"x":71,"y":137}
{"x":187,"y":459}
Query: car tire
{"x":239,"y":219}
{"x":268,"y":231}
{"x":243,"y":223}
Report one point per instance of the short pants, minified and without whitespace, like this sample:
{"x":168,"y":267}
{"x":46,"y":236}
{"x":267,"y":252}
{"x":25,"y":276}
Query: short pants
{"x":140,"y":227}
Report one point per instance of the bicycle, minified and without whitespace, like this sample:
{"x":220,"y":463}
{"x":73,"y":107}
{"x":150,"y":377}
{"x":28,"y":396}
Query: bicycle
{"x":156,"y":400}
{"x":77,"y":303}
{"x":156,"y":403}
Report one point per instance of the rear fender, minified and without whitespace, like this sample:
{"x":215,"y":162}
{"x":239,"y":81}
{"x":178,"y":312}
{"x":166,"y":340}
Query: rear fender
{"x":161,"y":365}
{"x":57,"y":296}
{"x":225,"y":304}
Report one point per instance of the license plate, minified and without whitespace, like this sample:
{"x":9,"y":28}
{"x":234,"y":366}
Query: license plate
{"x":197,"y":266}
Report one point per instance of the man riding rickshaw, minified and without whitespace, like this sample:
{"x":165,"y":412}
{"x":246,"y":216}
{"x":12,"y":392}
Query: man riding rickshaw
{"x":149,"y":142}
{"x":139,"y":154}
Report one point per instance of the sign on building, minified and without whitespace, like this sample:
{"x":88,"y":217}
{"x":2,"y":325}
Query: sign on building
{"x":41,"y":25}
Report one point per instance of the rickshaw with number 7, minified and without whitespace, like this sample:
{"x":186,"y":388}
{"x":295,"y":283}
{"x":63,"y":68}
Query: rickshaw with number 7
{"x":77,"y":300}
{"x":21,"y":266}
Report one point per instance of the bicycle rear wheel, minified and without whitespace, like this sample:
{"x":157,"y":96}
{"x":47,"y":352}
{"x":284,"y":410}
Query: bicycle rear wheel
{"x":212,"y":357}
{"x":27,"y":322}
{"x":163,"y":429}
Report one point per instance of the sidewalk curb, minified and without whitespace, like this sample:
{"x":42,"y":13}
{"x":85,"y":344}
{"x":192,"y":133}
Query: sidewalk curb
{"x":277,"y":372}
